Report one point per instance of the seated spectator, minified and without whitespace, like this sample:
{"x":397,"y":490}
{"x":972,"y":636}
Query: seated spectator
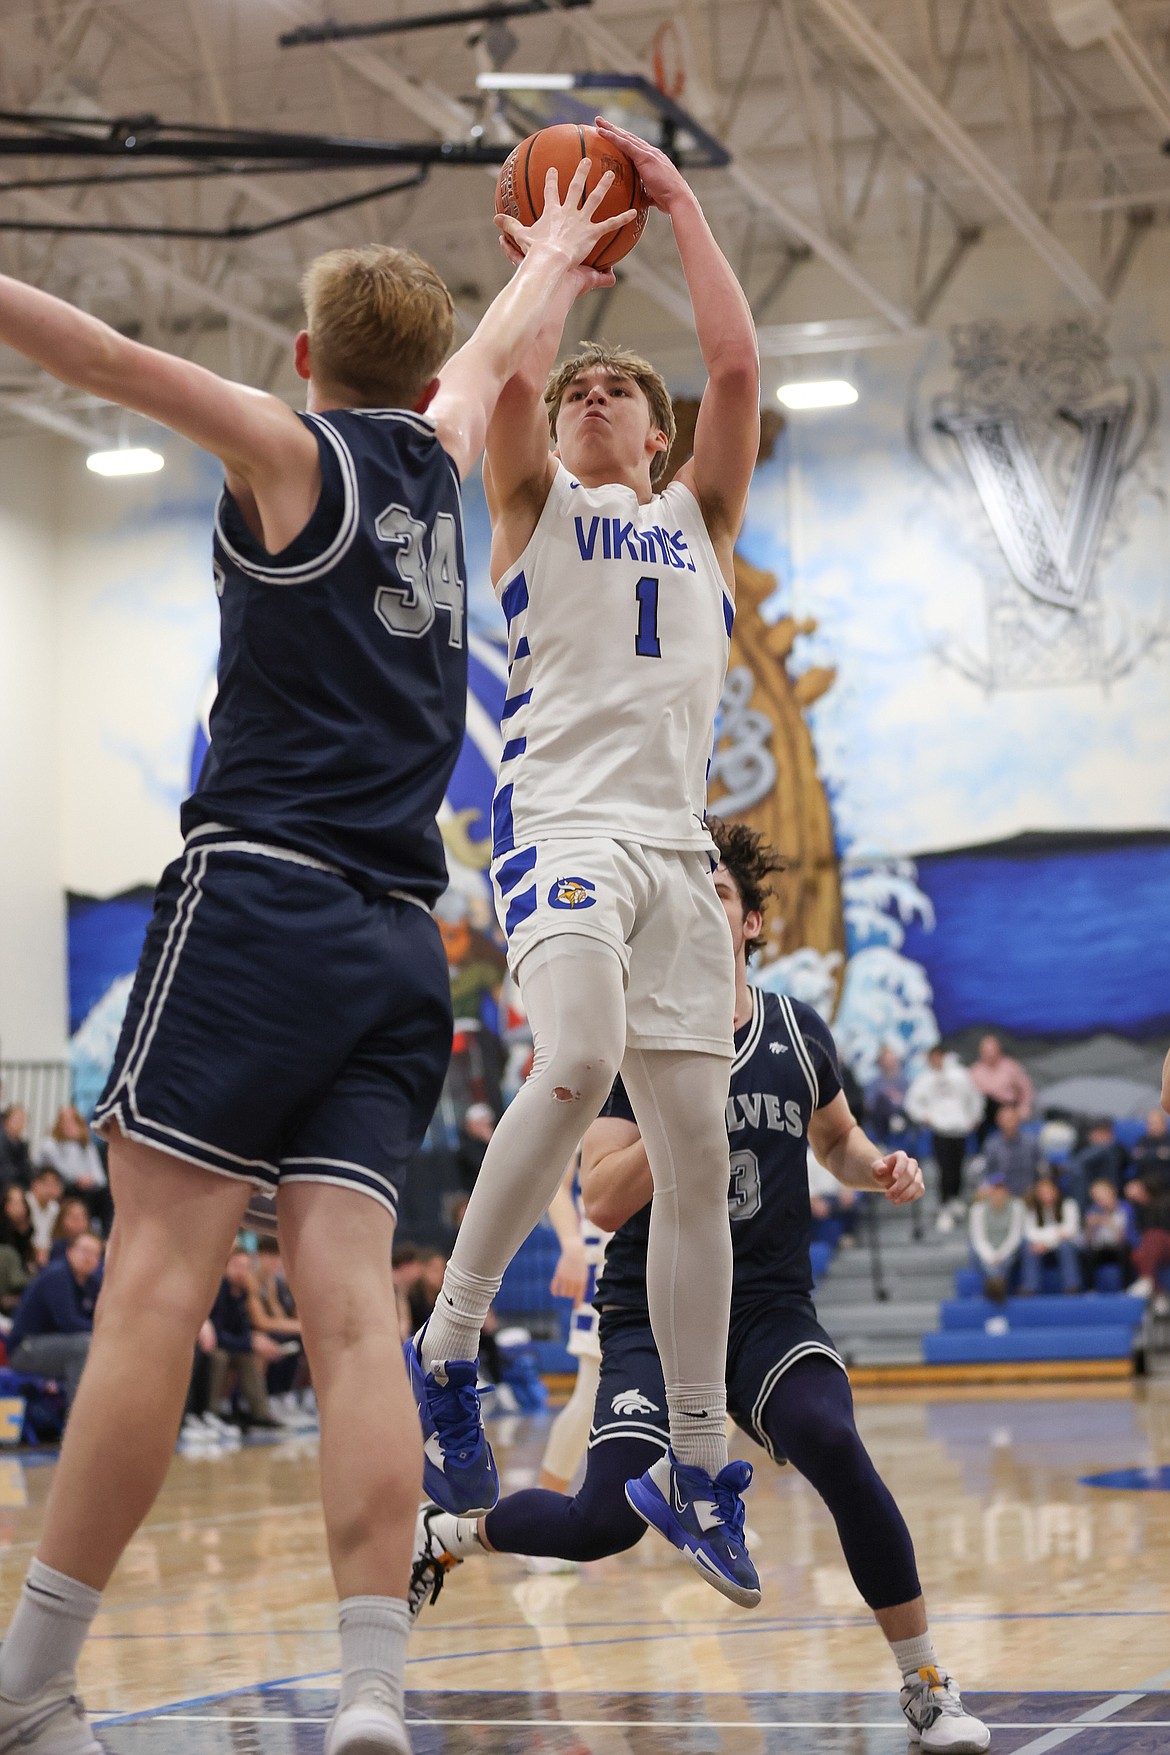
{"x":425,"y":1286}
{"x":1052,"y":1231}
{"x":885,"y":1098}
{"x":44,"y":1203}
{"x":273,"y":1312}
{"x":475,"y":1130}
{"x":16,"y":1228}
{"x":943,"y":1098}
{"x":1102,"y":1158}
{"x":996,"y":1232}
{"x":238,"y":1349}
{"x":72,"y":1221}
{"x":15,"y":1158}
{"x":1110,"y":1232}
{"x":1013,"y":1155}
{"x":1149,"y":1192}
{"x":834,"y":1208}
{"x":51,"y":1330}
{"x":999,"y":1080}
{"x":1153,"y":1149}
{"x":13,"y":1280}
{"x":70,"y":1149}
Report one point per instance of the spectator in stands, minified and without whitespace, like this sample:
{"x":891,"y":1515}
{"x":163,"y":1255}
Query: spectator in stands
{"x":1149,"y":1192}
{"x":1013,"y":1155}
{"x":15,"y":1158}
{"x":238,"y":1349}
{"x":53,"y":1325}
{"x":70,"y":1150}
{"x":72,"y":1221}
{"x":13,"y":1280}
{"x":44,"y":1203}
{"x":1052,"y":1231}
{"x":475,"y":1130}
{"x":885,"y":1098}
{"x":16,"y":1228}
{"x":943,"y":1098}
{"x":999,"y":1079}
{"x":425,"y":1286}
{"x":1153,"y":1149}
{"x":273,"y":1312}
{"x":996,"y":1232}
{"x":1102,"y":1158}
{"x":834,"y":1207}
{"x":1110,"y":1232}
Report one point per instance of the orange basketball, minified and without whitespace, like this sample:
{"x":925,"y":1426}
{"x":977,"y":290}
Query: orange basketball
{"x":520,"y":185}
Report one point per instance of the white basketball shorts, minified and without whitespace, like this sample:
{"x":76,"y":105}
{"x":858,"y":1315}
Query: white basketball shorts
{"x":659,"y":910}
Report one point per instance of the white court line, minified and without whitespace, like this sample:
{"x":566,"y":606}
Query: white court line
{"x":1096,"y":1715}
{"x":1072,"y":1727}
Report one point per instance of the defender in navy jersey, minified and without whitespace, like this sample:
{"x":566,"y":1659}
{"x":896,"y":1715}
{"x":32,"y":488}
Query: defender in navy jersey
{"x":290,"y":1023}
{"x":787,"y":1386}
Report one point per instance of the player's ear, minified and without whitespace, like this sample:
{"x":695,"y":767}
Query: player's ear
{"x":753,"y":924}
{"x":301,"y":356}
{"x":658,"y":441}
{"x":423,"y":402}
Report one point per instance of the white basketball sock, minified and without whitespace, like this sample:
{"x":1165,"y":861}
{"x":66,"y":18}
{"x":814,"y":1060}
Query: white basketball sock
{"x":912,"y":1655}
{"x":53,"y":1616}
{"x":459,"y":1535}
{"x":698,"y":1425}
{"x":373,"y":1645}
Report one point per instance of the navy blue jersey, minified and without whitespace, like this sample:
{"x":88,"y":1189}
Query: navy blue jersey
{"x":343,"y":661}
{"x":785,"y":1066}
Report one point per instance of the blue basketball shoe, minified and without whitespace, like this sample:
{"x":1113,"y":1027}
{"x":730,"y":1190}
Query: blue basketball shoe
{"x":459,"y":1470}
{"x":703,"y":1519}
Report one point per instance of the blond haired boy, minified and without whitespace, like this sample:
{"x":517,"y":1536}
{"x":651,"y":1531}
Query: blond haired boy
{"x":290,"y":1023}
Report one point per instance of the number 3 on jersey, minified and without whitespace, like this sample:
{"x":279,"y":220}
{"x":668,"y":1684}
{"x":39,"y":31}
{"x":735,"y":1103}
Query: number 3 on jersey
{"x":646,"y":642}
{"x":408,"y":609}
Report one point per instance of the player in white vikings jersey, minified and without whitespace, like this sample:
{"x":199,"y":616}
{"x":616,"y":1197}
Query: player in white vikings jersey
{"x":619,"y":600}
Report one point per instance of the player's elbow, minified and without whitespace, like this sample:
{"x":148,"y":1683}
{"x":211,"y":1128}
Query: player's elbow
{"x":736,"y":368}
{"x":603,"y":1205}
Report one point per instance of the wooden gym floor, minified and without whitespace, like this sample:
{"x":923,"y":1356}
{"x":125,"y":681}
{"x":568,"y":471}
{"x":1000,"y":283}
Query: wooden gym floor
{"x":1050,"y":1602}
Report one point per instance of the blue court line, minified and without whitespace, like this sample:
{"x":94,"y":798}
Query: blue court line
{"x":697,"y":1629}
{"x":122,"y":1718}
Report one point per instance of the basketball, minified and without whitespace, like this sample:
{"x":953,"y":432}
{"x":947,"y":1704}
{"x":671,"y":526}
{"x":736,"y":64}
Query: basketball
{"x":520,"y":185}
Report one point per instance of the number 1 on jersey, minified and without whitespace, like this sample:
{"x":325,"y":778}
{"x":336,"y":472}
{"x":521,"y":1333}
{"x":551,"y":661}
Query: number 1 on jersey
{"x":646,"y":644}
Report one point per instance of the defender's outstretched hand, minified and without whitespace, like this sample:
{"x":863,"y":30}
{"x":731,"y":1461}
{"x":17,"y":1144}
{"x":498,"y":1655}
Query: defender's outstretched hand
{"x":899,"y":1178}
{"x":568,"y":225}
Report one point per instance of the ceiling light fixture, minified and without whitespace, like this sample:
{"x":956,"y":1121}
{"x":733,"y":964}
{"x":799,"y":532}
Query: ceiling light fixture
{"x":126,"y":460}
{"x":525,"y":81}
{"x":817,"y":393}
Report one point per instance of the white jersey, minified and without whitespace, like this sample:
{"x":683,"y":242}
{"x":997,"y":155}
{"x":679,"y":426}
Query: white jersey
{"x":619,"y":626}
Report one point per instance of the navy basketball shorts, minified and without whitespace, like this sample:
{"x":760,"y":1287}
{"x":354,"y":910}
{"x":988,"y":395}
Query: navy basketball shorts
{"x":283,"y":1027}
{"x":765,"y":1343}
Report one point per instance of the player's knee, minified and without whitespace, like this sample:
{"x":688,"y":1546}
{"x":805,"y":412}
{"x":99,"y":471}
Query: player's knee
{"x":610,"y":1532}
{"x":582,"y":1078}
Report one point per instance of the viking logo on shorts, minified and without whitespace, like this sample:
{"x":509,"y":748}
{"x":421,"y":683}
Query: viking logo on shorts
{"x":572,"y":892}
{"x":632,"y":1401}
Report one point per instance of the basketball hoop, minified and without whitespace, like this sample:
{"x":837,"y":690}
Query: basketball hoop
{"x":668,"y":60}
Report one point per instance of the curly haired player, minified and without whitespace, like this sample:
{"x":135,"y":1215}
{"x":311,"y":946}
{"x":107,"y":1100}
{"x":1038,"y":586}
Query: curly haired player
{"x":786,"y":1384}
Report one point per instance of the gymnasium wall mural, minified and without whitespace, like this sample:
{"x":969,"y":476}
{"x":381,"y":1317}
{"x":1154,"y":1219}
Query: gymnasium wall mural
{"x":947,"y":704}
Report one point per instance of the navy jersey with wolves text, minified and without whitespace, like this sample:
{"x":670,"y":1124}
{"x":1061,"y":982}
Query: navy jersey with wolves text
{"x":785,"y":1067}
{"x":343,"y":661}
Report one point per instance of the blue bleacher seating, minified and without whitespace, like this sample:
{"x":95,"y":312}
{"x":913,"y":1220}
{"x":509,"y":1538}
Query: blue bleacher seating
{"x":968,"y":1283}
{"x":1128,"y":1132}
{"x":975,"y":1347}
{"x":526,"y":1280}
{"x":1108,"y":1277}
{"x":820,"y":1255}
{"x":1089,"y":1310}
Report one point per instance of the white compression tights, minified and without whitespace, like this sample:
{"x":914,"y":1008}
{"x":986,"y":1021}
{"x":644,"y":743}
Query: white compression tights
{"x":574,"y":995}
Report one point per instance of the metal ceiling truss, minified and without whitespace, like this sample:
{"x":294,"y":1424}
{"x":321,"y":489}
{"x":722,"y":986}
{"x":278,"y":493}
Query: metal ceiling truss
{"x":874,"y":142}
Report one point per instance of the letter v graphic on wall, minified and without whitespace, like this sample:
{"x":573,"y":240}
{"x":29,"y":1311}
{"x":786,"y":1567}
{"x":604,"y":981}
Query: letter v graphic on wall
{"x":1051,"y":553}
